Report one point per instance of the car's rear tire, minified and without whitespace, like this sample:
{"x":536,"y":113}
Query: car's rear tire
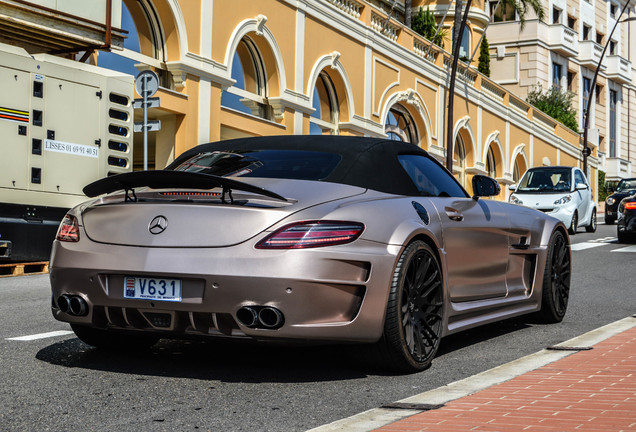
{"x":592,"y":226}
{"x":624,"y":237}
{"x":609,"y":221}
{"x":574,"y":224}
{"x":556,"y":280}
{"x":413,"y":324}
{"x":106,"y":339}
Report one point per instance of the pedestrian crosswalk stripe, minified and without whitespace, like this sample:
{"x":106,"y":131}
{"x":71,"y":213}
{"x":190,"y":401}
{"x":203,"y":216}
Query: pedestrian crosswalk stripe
{"x":626,"y":249}
{"x":585,"y":245}
{"x":604,"y":240}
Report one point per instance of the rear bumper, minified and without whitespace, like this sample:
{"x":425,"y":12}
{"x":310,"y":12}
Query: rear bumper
{"x":332,"y":293}
{"x":627,"y":223}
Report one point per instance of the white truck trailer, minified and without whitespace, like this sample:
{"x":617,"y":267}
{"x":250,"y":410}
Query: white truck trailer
{"x":63,"y":124}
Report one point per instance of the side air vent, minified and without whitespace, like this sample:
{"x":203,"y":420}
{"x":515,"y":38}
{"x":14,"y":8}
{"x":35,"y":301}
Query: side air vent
{"x":118,"y":162}
{"x":117,"y":146}
{"x":118,"y":130}
{"x":118,"y":99}
{"x":118,"y":115}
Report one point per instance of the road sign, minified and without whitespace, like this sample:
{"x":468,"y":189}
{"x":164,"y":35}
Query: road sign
{"x":147,"y":83}
{"x":151,"y":126}
{"x":151,"y":102}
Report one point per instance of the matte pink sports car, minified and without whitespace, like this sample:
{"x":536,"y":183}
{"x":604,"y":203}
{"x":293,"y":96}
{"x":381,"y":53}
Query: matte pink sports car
{"x":305,"y":238}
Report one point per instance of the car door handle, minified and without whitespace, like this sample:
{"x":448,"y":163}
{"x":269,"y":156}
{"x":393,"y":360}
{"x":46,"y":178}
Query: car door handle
{"x":454,"y":214}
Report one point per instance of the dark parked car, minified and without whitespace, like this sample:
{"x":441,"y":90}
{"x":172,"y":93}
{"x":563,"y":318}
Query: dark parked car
{"x":624,"y":188}
{"x":626,"y":222}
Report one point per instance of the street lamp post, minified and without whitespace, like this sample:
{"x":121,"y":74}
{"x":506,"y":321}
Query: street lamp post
{"x":451,"y":89}
{"x":586,"y":121}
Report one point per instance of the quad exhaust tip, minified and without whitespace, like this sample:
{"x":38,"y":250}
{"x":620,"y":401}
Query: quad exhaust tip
{"x":263,"y":317}
{"x":72,"y":305}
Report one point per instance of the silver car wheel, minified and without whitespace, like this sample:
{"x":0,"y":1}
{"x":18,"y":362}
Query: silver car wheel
{"x":592,"y":226}
{"x":574,"y":224}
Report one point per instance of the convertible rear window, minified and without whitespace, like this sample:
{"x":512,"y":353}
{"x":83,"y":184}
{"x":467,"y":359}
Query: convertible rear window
{"x":284,"y":164}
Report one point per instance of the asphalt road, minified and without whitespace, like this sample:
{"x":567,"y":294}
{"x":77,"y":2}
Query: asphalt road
{"x":58,"y":383}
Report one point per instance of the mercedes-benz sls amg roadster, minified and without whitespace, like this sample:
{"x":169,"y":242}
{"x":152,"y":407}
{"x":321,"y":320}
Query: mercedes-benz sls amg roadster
{"x":307,"y":239}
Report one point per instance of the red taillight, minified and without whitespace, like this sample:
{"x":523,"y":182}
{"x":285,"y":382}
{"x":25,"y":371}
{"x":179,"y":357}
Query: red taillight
{"x":312,"y":234}
{"x":68,"y":230}
{"x":630,"y":205}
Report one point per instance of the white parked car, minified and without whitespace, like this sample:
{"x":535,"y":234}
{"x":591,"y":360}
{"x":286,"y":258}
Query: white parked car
{"x":559,"y":191}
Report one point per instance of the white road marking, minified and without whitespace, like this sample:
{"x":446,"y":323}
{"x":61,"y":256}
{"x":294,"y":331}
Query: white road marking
{"x":585,"y":245}
{"x":42,"y":335}
{"x":626,"y":249}
{"x":605,"y":240}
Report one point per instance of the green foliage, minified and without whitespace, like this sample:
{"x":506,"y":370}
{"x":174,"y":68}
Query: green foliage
{"x":556,"y":103}
{"x":484,"y":58}
{"x":602,"y":186}
{"x":424,"y":24}
{"x":521,"y":8}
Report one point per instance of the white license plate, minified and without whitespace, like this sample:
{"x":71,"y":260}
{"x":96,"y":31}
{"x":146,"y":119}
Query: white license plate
{"x":152,"y":289}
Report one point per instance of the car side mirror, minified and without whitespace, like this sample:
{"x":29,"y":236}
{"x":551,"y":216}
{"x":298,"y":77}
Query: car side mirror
{"x":581,"y":186}
{"x":484,"y":186}
{"x":512,"y":188}
{"x":610,"y":189}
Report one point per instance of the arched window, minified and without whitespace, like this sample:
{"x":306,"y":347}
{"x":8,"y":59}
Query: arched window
{"x":491,"y":164}
{"x":459,"y":160}
{"x":519,"y":168}
{"x":464,"y":47}
{"x":399,"y":125}
{"x":324,"y":120}
{"x":249,"y":92}
{"x":143,"y":46}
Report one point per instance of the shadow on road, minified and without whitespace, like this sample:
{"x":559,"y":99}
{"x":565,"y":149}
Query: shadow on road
{"x":230,"y":361}
{"x":224,"y":361}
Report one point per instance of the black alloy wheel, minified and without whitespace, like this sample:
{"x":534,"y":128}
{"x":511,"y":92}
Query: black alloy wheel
{"x":413,"y":325}
{"x":556,"y":280}
{"x":575,"y":223}
{"x":592,"y":226}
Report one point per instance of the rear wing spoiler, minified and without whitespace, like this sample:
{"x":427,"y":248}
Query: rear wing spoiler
{"x":164,"y":179}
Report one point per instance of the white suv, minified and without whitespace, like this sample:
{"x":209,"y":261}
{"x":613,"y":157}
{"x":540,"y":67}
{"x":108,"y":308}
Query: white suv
{"x":560,"y":191}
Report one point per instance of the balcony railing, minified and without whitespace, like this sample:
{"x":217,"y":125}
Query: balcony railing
{"x":590,"y":53}
{"x":563,"y":40}
{"x":350,"y":7}
{"x":618,"y":69}
{"x":43,"y":28}
{"x":617,"y":168}
{"x":384,"y":26}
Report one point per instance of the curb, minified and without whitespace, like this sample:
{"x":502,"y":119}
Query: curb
{"x":378,"y":417}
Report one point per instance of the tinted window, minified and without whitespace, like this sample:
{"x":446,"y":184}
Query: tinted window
{"x":546,"y":180}
{"x":626,"y":185}
{"x":429,"y":178}
{"x":285,"y":164}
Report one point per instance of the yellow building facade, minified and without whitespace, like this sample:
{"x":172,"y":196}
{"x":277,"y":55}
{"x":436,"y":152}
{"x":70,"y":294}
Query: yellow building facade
{"x":239,"y":68}
{"x":235,"y":68}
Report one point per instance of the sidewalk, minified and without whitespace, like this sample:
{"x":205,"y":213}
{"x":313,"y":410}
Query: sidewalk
{"x":590,"y":386}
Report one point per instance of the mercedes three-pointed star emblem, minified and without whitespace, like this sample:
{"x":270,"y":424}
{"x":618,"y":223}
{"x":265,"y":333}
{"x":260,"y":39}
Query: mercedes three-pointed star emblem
{"x":158,"y":225}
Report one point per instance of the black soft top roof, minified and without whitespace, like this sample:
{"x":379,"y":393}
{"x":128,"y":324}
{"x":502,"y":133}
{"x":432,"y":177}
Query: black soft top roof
{"x":370,"y":163}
